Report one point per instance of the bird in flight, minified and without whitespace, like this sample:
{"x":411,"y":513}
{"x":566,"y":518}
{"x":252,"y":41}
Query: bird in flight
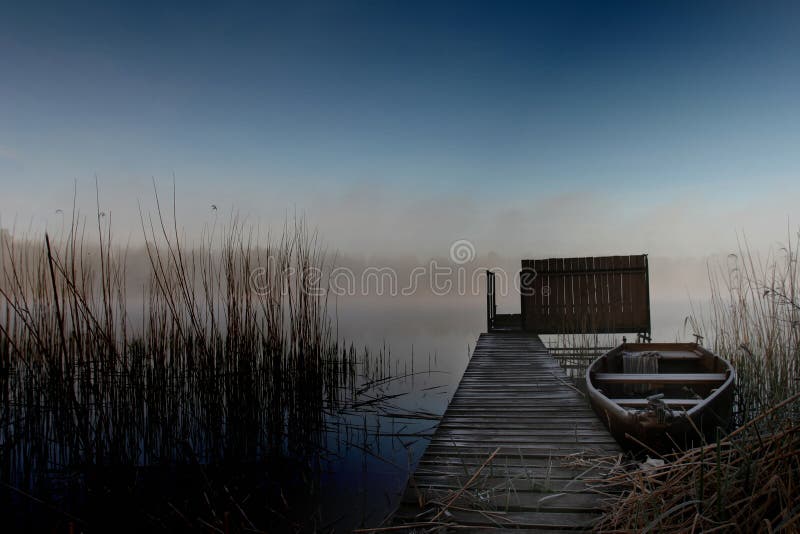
{"x":214,"y":207}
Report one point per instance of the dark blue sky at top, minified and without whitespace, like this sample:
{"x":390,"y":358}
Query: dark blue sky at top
{"x":523,"y":94}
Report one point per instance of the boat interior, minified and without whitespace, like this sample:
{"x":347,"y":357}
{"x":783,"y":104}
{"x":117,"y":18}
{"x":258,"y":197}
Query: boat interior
{"x":635,"y":376}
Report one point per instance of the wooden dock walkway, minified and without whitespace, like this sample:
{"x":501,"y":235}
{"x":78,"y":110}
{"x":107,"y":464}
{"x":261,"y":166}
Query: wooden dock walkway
{"x":516,"y":406}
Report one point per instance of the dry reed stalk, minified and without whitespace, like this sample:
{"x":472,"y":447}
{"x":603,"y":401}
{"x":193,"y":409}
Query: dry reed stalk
{"x":205,"y":369}
{"x":754,"y":322}
{"x":746,"y":482}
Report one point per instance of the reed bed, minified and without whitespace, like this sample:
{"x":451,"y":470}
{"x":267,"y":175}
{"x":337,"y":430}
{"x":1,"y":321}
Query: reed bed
{"x":208,"y":347}
{"x":747,"y":481}
{"x":754,"y":322}
{"x":229,"y":358}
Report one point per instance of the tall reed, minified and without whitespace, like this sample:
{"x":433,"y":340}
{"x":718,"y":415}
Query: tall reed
{"x":227,"y":354}
{"x":754,"y":321}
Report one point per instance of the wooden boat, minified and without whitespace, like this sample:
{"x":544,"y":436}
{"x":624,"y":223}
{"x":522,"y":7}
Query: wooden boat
{"x":661,"y":395}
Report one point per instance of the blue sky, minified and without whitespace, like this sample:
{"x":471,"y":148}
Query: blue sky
{"x":402,"y":125}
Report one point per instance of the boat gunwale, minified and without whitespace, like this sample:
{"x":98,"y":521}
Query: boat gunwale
{"x":659,"y":347}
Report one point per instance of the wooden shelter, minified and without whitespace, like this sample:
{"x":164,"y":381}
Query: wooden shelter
{"x":604,"y":294}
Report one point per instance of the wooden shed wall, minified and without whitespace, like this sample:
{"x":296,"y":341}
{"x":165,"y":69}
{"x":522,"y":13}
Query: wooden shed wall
{"x":606,"y":294}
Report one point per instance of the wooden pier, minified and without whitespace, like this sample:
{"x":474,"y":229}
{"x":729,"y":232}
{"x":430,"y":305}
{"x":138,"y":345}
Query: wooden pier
{"x":504,"y":453}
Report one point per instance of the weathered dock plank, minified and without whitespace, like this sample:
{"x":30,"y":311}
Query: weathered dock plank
{"x":514,"y":405}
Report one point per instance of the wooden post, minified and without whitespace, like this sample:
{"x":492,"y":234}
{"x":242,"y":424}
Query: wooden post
{"x":491,"y":308}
